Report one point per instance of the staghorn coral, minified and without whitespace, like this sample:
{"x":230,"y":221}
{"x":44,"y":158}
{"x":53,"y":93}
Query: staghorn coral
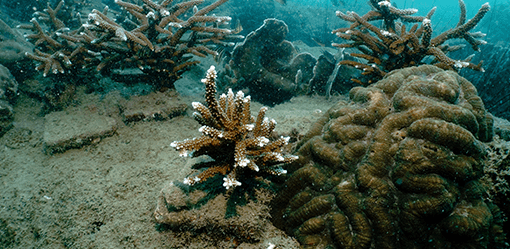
{"x":238,"y":147}
{"x":393,"y":46}
{"x":398,"y":166}
{"x":159,"y":39}
{"x":241,"y":153}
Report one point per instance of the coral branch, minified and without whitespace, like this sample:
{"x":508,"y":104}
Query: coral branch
{"x":240,"y":149}
{"x":387,"y":49}
{"x":159,"y":38}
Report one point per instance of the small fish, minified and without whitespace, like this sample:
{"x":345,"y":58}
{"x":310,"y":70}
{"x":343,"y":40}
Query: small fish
{"x":220,"y":54}
{"x":319,"y":43}
{"x":238,"y":28}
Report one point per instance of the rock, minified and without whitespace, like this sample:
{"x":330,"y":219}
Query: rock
{"x":153,"y":106}
{"x":202,"y":208}
{"x":270,"y":66}
{"x":8,"y":92}
{"x":65,"y":129}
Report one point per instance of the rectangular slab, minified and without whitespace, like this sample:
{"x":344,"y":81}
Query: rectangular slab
{"x":65,"y":130}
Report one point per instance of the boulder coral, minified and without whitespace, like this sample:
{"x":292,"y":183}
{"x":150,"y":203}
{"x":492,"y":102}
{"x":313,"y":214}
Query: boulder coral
{"x":398,"y":166}
{"x":270,"y":66}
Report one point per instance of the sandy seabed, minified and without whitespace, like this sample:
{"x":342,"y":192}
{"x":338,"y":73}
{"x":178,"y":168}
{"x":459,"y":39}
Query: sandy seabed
{"x":104,"y":195}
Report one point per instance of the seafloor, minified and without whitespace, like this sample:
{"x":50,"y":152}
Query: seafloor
{"x":104,"y":195}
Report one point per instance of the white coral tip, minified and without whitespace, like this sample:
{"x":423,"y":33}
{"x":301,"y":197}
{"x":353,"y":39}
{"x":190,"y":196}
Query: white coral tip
{"x":384,"y":3}
{"x":243,"y":162}
{"x":263,"y":141}
{"x":211,"y":69}
{"x":187,"y":181}
{"x":280,"y":171}
{"x":174,"y":144}
{"x":195,"y":104}
{"x":183,"y":153}
{"x":229,"y":182}
{"x":250,"y":127}
{"x":385,"y":33}
{"x":286,"y":139}
{"x":461,"y":64}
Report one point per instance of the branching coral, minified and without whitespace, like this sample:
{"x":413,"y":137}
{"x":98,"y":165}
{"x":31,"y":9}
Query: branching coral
{"x":159,"y":39}
{"x":399,"y":166}
{"x":239,"y":147}
{"x":394,"y":46}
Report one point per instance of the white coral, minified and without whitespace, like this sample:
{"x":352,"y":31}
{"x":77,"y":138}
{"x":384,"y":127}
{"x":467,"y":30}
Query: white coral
{"x":230,"y":182}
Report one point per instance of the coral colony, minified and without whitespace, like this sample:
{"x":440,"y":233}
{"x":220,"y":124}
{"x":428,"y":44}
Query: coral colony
{"x":394,"y":46}
{"x":398,"y":166}
{"x":159,"y":39}
{"x":229,"y":136}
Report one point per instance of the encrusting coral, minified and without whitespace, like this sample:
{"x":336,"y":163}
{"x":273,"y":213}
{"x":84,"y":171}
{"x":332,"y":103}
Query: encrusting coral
{"x":159,"y":39}
{"x":239,"y":147}
{"x":393,"y":46}
{"x":398,"y":166}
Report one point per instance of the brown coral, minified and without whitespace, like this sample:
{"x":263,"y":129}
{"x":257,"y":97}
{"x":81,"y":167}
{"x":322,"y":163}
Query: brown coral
{"x":159,"y":39}
{"x":399,"y":166}
{"x":242,"y":154}
{"x":393,"y":46}
{"x":239,"y":147}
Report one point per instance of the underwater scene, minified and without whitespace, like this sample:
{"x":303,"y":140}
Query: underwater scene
{"x":265,"y":124}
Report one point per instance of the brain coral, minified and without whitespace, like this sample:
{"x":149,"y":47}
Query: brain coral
{"x":399,"y":166}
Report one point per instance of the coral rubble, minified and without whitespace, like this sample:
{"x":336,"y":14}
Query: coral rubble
{"x":159,"y":39}
{"x":393,"y":46}
{"x":398,"y":166}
